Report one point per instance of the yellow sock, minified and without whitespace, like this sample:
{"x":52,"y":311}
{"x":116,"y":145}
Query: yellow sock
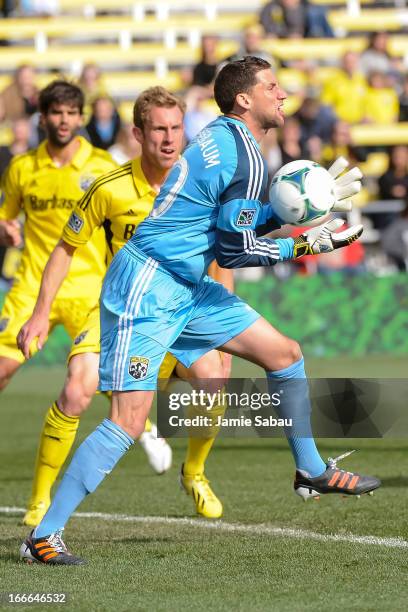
{"x":148,"y":425}
{"x":198,"y":448}
{"x":57,"y":437}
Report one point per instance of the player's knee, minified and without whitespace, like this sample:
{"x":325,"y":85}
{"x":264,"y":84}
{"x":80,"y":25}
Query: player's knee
{"x":7,"y":369}
{"x":207,"y":374}
{"x":75,"y":397}
{"x":209,"y":366}
{"x":290,"y":354}
{"x":295,"y":351}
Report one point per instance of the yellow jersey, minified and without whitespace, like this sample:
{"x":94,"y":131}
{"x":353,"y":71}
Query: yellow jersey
{"x":47,"y":194}
{"x":346,"y":96}
{"x":381,"y":105}
{"x":118,"y":202}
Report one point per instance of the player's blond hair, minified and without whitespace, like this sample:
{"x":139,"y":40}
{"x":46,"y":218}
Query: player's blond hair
{"x":154,"y":96}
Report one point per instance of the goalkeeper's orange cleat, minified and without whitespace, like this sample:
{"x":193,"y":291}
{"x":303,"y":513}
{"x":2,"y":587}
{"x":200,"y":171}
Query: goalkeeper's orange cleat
{"x":49,"y":550}
{"x":334,"y":480}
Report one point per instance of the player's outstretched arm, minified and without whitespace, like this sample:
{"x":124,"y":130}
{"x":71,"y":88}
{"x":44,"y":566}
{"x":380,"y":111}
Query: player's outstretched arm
{"x":10,"y":233}
{"x":237,"y":244}
{"x":53,"y":276}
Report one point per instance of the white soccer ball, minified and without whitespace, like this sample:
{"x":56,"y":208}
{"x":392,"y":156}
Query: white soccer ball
{"x":302,"y":193}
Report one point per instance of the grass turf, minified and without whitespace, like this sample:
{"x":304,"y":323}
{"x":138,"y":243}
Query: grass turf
{"x":158,"y":567}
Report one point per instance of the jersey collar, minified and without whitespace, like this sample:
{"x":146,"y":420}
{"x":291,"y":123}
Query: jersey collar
{"x":142,"y":185}
{"x":78,"y":161}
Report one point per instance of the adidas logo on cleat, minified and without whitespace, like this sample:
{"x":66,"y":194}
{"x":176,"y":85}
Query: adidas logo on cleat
{"x":334,"y":480}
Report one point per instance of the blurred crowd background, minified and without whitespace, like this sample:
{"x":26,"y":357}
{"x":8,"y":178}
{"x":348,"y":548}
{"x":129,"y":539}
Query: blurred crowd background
{"x":344,"y":65}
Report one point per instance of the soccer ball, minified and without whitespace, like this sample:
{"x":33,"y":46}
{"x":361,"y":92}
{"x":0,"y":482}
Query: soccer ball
{"x":302,"y":192}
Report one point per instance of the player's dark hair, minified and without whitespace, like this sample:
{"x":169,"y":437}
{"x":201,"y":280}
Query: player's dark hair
{"x":154,"y":96}
{"x":61,"y":92}
{"x":235,"y":78}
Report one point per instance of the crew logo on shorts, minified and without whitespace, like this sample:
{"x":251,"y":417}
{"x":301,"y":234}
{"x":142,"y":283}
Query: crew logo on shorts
{"x":138,"y":367}
{"x":245,"y":217}
{"x":81,"y":337}
{"x":3,"y":324}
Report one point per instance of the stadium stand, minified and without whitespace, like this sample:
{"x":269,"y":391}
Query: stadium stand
{"x":138,"y":43}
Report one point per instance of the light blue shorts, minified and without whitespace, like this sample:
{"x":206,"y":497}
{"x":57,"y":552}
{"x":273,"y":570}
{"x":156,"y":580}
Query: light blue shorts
{"x":146,"y":312}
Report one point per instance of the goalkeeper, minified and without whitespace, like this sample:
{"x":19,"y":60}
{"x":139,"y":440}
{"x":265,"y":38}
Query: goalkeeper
{"x":157,"y":296}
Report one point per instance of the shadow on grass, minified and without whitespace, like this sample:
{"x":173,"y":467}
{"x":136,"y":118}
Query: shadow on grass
{"x":395,"y":482}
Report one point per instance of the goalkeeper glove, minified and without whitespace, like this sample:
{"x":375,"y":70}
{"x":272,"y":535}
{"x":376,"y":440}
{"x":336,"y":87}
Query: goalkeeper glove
{"x":323,"y":239}
{"x":345,"y":185}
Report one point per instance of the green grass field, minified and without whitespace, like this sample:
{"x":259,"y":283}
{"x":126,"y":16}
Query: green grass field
{"x":269,"y":552}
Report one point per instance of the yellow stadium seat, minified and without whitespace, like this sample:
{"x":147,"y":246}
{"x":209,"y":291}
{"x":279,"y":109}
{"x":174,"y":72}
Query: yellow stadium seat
{"x":292,"y":104}
{"x":313,"y":48}
{"x":324,"y":73}
{"x":115,"y":27}
{"x":369,"y":20}
{"x":291,"y":80}
{"x":132,"y":83}
{"x":375,"y":165}
{"x":6,"y":135}
{"x":126,"y":111}
{"x":368,"y":134}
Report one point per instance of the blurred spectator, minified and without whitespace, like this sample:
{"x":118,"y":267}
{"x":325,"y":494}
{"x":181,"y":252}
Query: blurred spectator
{"x":346,"y":93}
{"x":199,"y":112}
{"x":126,"y":146}
{"x":376,"y":57}
{"x":20,"y":144}
{"x":290,"y":141}
{"x":341,"y":145}
{"x":19,"y":99}
{"x":284,"y":18}
{"x":317,"y":25}
{"x":393,"y":185}
{"x":91,"y":82}
{"x":282,"y":146}
{"x":252,"y":45}
{"x":7,"y":7}
{"x":295,"y":19}
{"x":394,"y":239}
{"x":381,"y":104}
{"x":204,"y":71}
{"x":104,"y":124}
{"x":315,"y":119}
{"x":271,"y":151}
{"x":39,"y":8}
{"x":403,"y":100}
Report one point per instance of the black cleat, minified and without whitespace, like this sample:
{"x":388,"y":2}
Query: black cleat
{"x":334,"y":480}
{"x":50,"y":550}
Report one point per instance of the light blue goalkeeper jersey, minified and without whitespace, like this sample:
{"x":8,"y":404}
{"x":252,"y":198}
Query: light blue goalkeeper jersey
{"x":213,"y":206}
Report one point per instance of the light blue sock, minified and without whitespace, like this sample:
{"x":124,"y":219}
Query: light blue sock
{"x":295,"y":404}
{"x":93,"y":460}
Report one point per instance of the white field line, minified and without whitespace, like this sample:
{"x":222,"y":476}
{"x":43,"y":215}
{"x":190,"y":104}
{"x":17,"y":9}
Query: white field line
{"x":221,"y":526}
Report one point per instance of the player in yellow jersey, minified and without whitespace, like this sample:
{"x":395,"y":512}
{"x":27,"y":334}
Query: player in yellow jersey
{"x":118,"y":202}
{"x":46,"y":184}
